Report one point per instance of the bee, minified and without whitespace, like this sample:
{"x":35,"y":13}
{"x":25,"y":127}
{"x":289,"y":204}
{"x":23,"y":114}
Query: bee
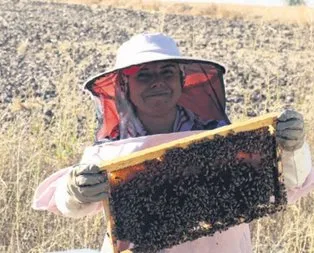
{"x":164,"y":204}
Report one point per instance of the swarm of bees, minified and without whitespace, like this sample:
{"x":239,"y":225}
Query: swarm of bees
{"x":196,"y":191}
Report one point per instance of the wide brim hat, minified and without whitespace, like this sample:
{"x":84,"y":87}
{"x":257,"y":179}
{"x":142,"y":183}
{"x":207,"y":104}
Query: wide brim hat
{"x":203,"y":91}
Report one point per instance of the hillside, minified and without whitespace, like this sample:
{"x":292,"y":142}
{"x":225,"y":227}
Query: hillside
{"x":47,"y":51}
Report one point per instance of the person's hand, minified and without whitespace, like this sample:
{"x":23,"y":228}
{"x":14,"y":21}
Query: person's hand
{"x":87,"y":184}
{"x":290,"y":130}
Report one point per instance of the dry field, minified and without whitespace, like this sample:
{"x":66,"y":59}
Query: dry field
{"x":48,"y":49}
{"x":297,"y":14}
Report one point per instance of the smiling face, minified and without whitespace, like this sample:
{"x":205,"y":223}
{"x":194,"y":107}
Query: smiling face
{"x":156,"y":88}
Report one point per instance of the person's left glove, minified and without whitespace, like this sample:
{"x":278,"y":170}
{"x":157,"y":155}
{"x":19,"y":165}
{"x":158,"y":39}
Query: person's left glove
{"x":290,"y":130}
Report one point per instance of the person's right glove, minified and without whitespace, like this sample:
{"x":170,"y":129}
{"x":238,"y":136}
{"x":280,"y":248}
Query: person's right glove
{"x":87,"y":184}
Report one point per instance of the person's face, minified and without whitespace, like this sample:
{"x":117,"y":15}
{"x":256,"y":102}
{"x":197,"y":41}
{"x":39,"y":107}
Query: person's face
{"x":155,"y":88}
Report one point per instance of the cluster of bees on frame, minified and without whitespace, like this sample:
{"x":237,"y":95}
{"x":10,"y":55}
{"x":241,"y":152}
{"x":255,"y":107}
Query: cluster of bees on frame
{"x":193,"y":192}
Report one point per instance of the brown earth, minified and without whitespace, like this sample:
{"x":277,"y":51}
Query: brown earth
{"x":47,"y":51}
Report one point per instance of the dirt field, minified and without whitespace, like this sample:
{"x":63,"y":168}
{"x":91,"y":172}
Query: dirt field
{"x":48,"y":49}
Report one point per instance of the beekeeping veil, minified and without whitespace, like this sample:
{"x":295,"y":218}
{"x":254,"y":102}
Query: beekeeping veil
{"x":203,"y":88}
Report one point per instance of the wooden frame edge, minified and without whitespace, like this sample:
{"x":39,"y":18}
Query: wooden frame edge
{"x":157,"y":151}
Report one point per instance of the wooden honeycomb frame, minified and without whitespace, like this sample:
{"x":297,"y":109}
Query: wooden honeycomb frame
{"x":120,"y":166}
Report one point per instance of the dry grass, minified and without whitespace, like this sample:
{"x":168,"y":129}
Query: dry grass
{"x":292,"y":14}
{"x":32,"y":148}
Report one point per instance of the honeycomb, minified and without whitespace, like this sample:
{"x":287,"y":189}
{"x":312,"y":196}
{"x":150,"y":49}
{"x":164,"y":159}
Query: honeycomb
{"x":187,"y":193}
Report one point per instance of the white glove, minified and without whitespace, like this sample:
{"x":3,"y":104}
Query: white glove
{"x":290,"y":130}
{"x":296,"y":157}
{"x":87,"y":184}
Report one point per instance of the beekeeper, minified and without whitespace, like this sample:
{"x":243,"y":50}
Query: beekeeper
{"x":156,"y":95}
